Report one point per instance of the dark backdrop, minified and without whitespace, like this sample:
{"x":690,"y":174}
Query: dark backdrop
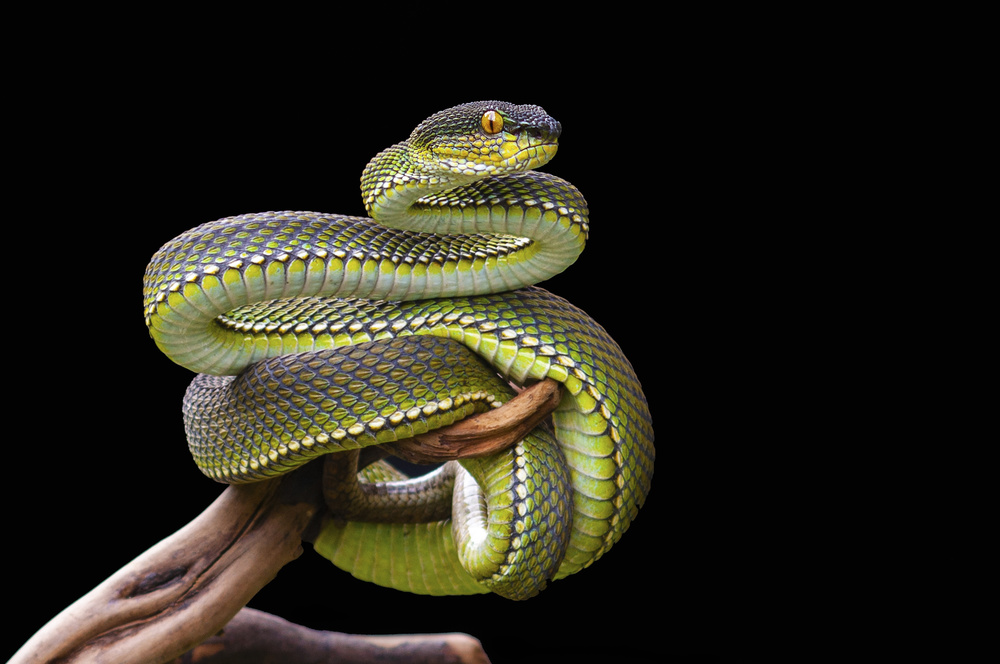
{"x":130,"y":156}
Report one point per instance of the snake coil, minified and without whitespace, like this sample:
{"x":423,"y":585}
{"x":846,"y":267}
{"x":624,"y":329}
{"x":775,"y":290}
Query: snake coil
{"x":315,"y":334}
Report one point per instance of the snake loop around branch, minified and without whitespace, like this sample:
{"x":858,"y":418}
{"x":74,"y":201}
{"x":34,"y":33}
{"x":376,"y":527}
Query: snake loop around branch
{"x":319,"y":334}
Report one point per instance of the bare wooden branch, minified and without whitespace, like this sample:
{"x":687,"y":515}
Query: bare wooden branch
{"x":187,"y":587}
{"x":183,"y":589}
{"x":260,"y":638}
{"x":485,"y":433}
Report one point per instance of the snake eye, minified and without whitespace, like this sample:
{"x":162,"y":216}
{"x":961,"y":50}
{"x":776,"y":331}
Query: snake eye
{"x":492,"y":122}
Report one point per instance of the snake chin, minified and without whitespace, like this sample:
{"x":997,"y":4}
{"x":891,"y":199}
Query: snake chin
{"x":517,"y":161}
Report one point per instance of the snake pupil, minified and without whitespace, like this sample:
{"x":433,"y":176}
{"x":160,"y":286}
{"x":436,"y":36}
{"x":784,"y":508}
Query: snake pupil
{"x":492,"y":122}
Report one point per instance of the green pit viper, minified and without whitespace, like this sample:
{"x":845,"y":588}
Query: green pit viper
{"x":315,"y":334}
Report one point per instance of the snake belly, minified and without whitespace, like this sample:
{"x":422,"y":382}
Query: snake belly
{"x":315,"y":334}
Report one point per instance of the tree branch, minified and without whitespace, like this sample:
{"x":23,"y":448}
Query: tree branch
{"x":485,"y":433}
{"x":258,"y":637}
{"x":186,"y":588}
{"x":183,"y":589}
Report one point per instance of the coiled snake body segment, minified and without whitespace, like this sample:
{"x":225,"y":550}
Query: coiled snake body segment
{"x":316,"y":334}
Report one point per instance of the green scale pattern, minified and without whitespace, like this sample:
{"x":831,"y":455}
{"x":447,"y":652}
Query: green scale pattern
{"x":603,"y":424}
{"x":272,"y":297}
{"x":283,"y":411}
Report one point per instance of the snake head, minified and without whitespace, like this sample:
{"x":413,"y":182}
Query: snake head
{"x":486,"y":138}
{"x":451,"y":149}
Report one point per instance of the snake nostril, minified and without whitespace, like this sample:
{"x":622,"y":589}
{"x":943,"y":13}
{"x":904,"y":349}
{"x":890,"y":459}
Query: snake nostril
{"x":548,"y":131}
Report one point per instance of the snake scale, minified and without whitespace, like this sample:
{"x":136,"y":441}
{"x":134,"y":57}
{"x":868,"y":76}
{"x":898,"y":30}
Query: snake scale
{"x":315,"y":334}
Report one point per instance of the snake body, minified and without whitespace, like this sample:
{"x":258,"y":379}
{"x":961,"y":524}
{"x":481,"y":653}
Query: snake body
{"x":315,"y":334}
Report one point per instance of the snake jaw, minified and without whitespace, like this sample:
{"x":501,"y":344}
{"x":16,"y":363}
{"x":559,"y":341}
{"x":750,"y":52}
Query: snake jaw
{"x":474,"y":156}
{"x":507,"y":157}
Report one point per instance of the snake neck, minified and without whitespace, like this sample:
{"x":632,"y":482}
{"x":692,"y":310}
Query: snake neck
{"x":394,"y":181}
{"x":403,"y":188}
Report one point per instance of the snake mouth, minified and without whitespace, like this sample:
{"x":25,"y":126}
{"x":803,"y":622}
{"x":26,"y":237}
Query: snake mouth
{"x":532,"y":145}
{"x":524,"y":151}
{"x":529,"y":158}
{"x":509,"y":157}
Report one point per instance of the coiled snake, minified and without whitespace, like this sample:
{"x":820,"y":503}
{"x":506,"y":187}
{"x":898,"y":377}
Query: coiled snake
{"x":317,"y":333}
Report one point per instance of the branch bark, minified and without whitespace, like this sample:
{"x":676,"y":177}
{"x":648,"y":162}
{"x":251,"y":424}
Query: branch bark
{"x":185,"y":589}
{"x":260,"y":638}
{"x":483,"y":434}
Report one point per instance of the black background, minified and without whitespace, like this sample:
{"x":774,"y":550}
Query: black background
{"x":133,"y":149}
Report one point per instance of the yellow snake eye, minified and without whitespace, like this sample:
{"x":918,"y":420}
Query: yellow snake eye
{"x":492,"y":122}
